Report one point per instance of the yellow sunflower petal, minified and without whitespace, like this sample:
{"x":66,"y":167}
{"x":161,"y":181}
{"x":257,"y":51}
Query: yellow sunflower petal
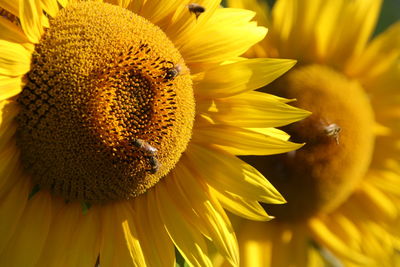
{"x":10,"y":165}
{"x":261,"y":8}
{"x":188,"y":241}
{"x":9,"y":86}
{"x":8,"y":111}
{"x":239,"y":141}
{"x":252,"y":109}
{"x":10,"y":172}
{"x":263,"y":18}
{"x":32,"y":232}
{"x":362,"y":15}
{"x":345,"y":228}
{"x":378,"y":203}
{"x":182,"y":25}
{"x":215,"y":42}
{"x":242,"y":207}
{"x":11,"y":32}
{"x":377,"y":242}
{"x":14,"y":59}
{"x":86,"y":238}
{"x":50,"y":6}
{"x":237,"y":176}
{"x":63,"y":3}
{"x":293,"y":28}
{"x":182,"y":203}
{"x":325,"y":27}
{"x":119,"y":239}
{"x":126,"y":4}
{"x":79,"y":233}
{"x":386,"y":181}
{"x":11,"y":6}
{"x":345,"y":41}
{"x":284,"y":20}
{"x":273,"y":132}
{"x":157,"y":247}
{"x":211,"y":212}
{"x":323,"y":235}
{"x":256,"y":240}
{"x":375,"y":239}
{"x":153,"y":11}
{"x":379,"y":56}
{"x":30,"y":15}
{"x":235,"y":78}
{"x":315,"y":258}
{"x":11,"y":209}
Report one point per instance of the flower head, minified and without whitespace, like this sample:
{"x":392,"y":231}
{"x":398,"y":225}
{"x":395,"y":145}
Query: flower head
{"x":119,"y":127}
{"x":342,"y":187}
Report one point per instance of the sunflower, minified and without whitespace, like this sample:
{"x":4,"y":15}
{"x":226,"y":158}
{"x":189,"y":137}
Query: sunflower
{"x":343,"y":186}
{"x":119,"y":126}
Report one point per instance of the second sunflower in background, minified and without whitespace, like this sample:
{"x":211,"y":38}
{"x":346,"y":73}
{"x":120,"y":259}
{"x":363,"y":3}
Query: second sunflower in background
{"x":343,"y":186}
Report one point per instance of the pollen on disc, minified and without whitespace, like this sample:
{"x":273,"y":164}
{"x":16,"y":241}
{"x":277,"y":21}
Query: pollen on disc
{"x":106,"y":111}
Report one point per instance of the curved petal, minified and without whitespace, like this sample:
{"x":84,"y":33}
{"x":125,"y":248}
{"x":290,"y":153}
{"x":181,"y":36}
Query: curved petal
{"x":242,"y":207}
{"x":63,"y":3}
{"x":119,"y":237}
{"x":378,"y":57}
{"x":293,"y":28}
{"x":182,"y":24}
{"x":187,"y":239}
{"x":261,"y":8}
{"x":10,"y":6}
{"x":11,"y":209}
{"x":71,"y":232}
{"x":239,"y":141}
{"x":30,"y":15}
{"x":273,"y":244}
{"x":11,"y":32}
{"x":239,"y":77}
{"x":183,"y":204}
{"x":85,"y":238}
{"x":127,"y":4}
{"x":379,"y":204}
{"x":14,"y":59}
{"x":10,"y":168}
{"x":210,"y":212}
{"x":50,"y":6}
{"x":8,"y":111}
{"x":214,"y":41}
{"x":9,"y":86}
{"x":263,"y":18}
{"x":323,"y":235}
{"x":31,"y":235}
{"x":256,"y":240}
{"x":155,"y":12}
{"x":344,"y":41}
{"x":251,"y":110}
{"x":226,"y":172}
{"x":157,"y":247}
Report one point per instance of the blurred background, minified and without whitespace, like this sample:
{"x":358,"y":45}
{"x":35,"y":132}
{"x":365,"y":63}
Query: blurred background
{"x":389,"y":14}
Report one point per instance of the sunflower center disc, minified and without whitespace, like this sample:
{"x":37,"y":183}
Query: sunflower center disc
{"x":339,"y":143}
{"x":108,"y":105}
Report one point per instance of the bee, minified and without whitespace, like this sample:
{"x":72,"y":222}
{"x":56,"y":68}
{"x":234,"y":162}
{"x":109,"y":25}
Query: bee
{"x":196,"y":9}
{"x":145,"y":147}
{"x":173,"y":72}
{"x":150,"y":154}
{"x":154,"y":164}
{"x":333,"y":130}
